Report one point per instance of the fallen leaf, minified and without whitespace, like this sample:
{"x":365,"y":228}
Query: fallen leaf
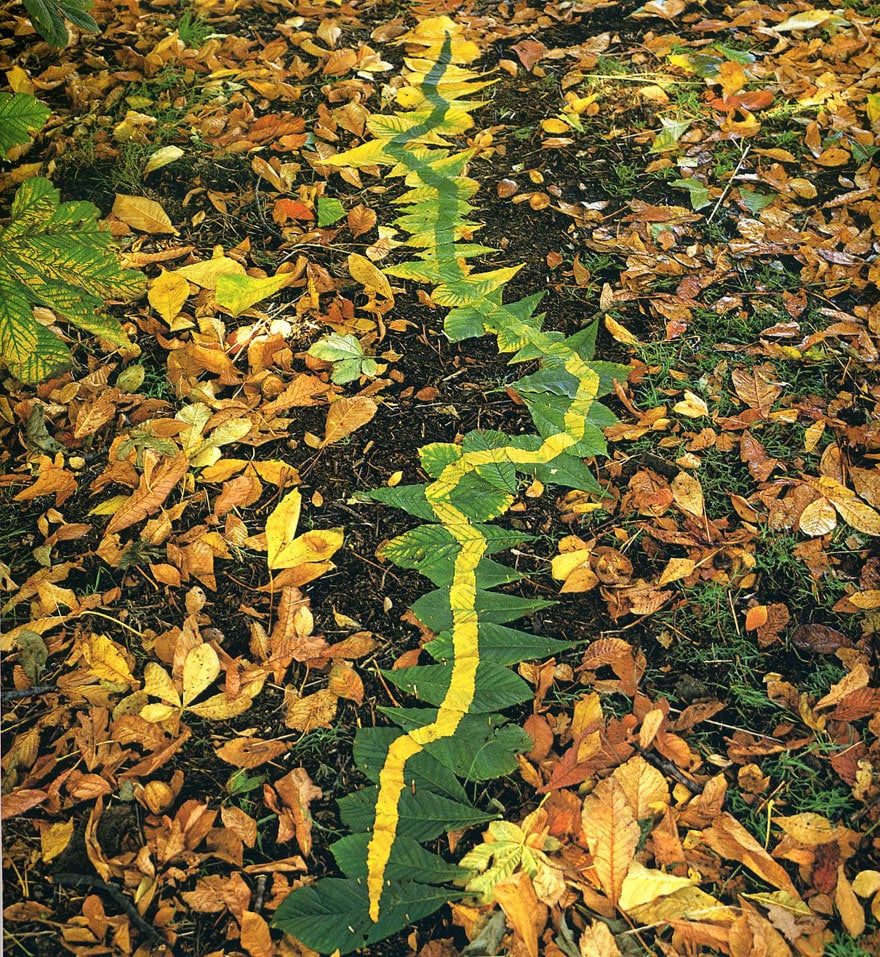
{"x":346,"y":415}
{"x":142,"y":214}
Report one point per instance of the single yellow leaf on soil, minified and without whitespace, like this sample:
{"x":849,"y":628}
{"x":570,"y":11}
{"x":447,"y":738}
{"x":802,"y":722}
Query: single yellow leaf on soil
{"x":314,"y":711}
{"x":643,"y":785}
{"x":346,"y":415}
{"x":142,"y":214}
{"x":620,"y":332}
{"x":200,"y":670}
{"x":106,"y":660}
{"x":643,"y":885}
{"x":281,"y":525}
{"x":316,"y":546}
{"x":220,"y":707}
{"x":54,"y":839}
{"x":363,"y":271}
{"x":692,"y":406}
{"x":867,"y":600}
{"x":676,"y":569}
{"x":167,"y":294}
{"x":688,"y":494}
{"x":598,"y":941}
{"x":255,"y":936}
{"x":206,"y":274}
{"x":162,"y":157}
{"x":525,"y":913}
{"x":851,"y":912}
{"x":818,"y":518}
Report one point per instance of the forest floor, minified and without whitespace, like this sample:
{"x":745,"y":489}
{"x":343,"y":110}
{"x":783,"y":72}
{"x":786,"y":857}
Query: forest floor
{"x":701,"y":181}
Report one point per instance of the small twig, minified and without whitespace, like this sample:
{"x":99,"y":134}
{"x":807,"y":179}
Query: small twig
{"x":729,"y":185}
{"x":122,"y":900}
{"x":18,"y":693}
{"x":669,"y":768}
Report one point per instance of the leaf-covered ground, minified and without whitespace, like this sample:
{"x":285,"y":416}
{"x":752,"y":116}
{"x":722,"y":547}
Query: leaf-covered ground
{"x":189,"y":646}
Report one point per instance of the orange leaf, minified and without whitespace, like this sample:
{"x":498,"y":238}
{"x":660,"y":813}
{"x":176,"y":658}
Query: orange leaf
{"x":255,"y":936}
{"x":150,"y":494}
{"x":250,"y":752}
{"x":526,"y":914}
{"x":612,"y":833}
{"x":297,"y":791}
{"x":346,"y":415}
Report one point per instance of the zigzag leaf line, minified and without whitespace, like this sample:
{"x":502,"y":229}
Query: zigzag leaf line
{"x":391,"y":880}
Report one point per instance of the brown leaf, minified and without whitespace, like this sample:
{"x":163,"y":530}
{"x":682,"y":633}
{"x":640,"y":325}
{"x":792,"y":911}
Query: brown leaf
{"x":643,"y":786}
{"x":345,"y":682}
{"x":154,"y":487}
{"x":757,"y":387}
{"x":731,"y":840}
{"x":297,"y":791}
{"x":755,"y":456}
{"x":313,"y":711}
{"x":250,"y":752}
{"x":361,"y":220}
{"x":612,"y":834}
{"x":346,"y":415}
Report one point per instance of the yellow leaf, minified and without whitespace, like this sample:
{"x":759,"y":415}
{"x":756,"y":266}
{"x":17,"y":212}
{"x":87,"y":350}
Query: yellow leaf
{"x":676,"y":569}
{"x":812,"y":434}
{"x":206,"y":274}
{"x":54,"y":839}
{"x":643,"y":885}
{"x":237,"y":292}
{"x":363,"y":271}
{"x":688,"y":494}
{"x":346,"y":415}
{"x":818,"y":518}
{"x":692,"y":406}
{"x":158,"y":683}
{"x":643,"y":786}
{"x":143,"y":214}
{"x":563,"y":565}
{"x":620,"y":332}
{"x":851,"y":912}
{"x":157,"y":713}
{"x":200,"y":669}
{"x":552,"y":125}
{"x":317,"y":546}
{"x":106,"y":660}
{"x":167,"y":294}
{"x":526,"y":914}
{"x":598,"y":941}
{"x":162,"y":157}
{"x":220,"y":706}
{"x":281,"y":525}
{"x":867,"y":600}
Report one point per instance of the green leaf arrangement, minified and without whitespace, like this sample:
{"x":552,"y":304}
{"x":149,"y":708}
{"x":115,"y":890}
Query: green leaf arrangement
{"x":21,"y":116}
{"x":420,"y":763}
{"x":55,"y":255}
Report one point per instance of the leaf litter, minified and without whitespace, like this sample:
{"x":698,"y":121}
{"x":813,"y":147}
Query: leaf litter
{"x":704,"y":181}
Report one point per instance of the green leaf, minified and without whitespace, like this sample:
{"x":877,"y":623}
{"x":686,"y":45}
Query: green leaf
{"x":48,"y":18}
{"x":754,"y":200}
{"x":411,"y":498}
{"x":423,"y":815}
{"x":497,"y":688}
{"x":667,"y":139}
{"x":333,"y":914}
{"x":21,"y":117}
{"x":409,"y":861}
{"x":434,"y":612}
{"x":347,"y":356}
{"x":55,"y":255}
{"x":238,"y":292}
{"x":423,"y":773}
{"x":330,"y":211}
{"x":699,"y":191}
{"x":483,"y":746}
{"x":501,"y":645}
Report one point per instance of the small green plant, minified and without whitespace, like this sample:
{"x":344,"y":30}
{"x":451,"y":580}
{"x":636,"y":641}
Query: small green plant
{"x":347,"y":356}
